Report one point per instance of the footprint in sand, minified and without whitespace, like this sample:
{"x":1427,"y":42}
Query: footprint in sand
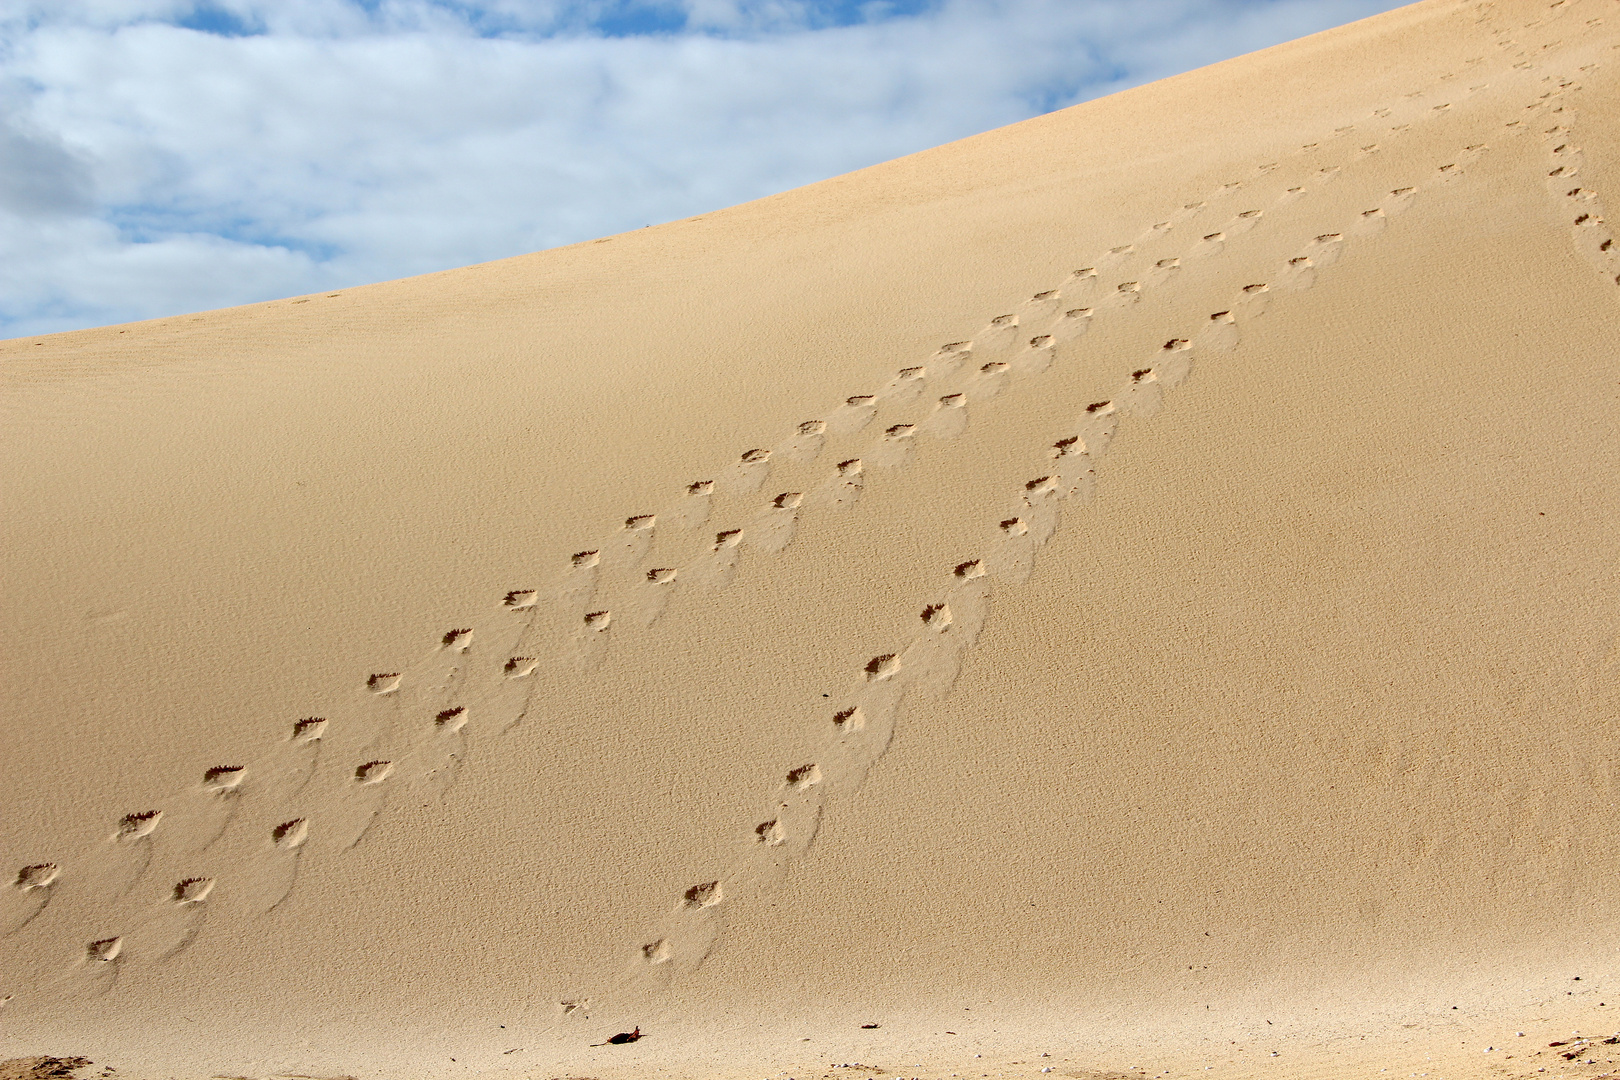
{"x":1241,"y":224}
{"x":362,"y":803}
{"x":1143,"y":395}
{"x":906,"y":387}
{"x":30,"y":894}
{"x":999,"y":333}
{"x":1163,"y":271}
{"x":1080,"y":284}
{"x":716,"y":569}
{"x":1039,"y":310}
{"x":1298,"y":275}
{"x":278,"y":864}
{"x":949,"y":359}
{"x":1035,"y":356}
{"x":747,"y":473}
{"x":949,"y":418}
{"x":1371,"y":222}
{"x":693,"y":508}
{"x":895,"y":448}
{"x":520,"y":599}
{"x":1115,"y":256}
{"x":1125,"y":294}
{"x":775,"y":526}
{"x":652,"y":594}
{"x":806,"y":442}
{"x":988,"y":381}
{"x":632,"y":540}
{"x":844,"y":489}
{"x":1096,"y":426}
{"x":853,"y":415}
{"x":1072,"y":324}
{"x":1220,"y":334}
{"x":384,"y":683}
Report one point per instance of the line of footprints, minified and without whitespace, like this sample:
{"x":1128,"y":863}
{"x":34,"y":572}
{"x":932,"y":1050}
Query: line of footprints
{"x":244,"y":812}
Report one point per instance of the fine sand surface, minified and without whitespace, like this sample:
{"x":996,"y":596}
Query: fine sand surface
{"x":1130,"y":593}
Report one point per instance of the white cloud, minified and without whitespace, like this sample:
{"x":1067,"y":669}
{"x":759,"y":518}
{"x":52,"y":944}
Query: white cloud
{"x":148,"y":169}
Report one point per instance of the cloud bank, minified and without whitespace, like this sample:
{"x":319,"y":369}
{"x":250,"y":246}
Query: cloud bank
{"x":163,"y":156}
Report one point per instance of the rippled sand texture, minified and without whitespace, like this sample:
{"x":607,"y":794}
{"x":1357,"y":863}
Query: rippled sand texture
{"x":1129,"y":593}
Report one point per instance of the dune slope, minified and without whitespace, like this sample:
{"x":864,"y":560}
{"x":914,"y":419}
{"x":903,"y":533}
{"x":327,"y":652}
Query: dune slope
{"x":1128,"y":593}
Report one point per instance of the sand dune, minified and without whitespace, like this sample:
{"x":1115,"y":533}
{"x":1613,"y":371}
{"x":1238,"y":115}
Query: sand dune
{"x":1131,"y":593}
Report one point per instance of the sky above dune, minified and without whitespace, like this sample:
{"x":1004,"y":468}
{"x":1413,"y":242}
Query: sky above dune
{"x":164,"y":156}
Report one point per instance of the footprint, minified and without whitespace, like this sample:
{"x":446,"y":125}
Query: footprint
{"x":949,"y":359}
{"x":1325,"y":250}
{"x":225,"y":781}
{"x":805,"y":776}
{"x":521,"y":599}
{"x":882,"y":667}
{"x":457,"y":640}
{"x":653,"y":594}
{"x":1163,"y":271}
{"x":629,"y":546}
{"x":1041,"y":308}
{"x":949,"y":418}
{"x":774,"y":528}
{"x":1400,"y":200}
{"x":1096,"y":426}
{"x":1325,"y":176}
{"x":1115,"y":256}
{"x":1255,"y":298}
{"x":1245,"y":221}
{"x":716,"y":570}
{"x":844,"y":489}
{"x":1072,"y":324}
{"x":385,"y":683}
{"x":1143,"y":395}
{"x":1211,"y":244}
{"x":1290,"y":197}
{"x":137,"y":826}
{"x":988,"y":381}
{"x":693,"y":508}
{"x":701,"y":896}
{"x":770,"y":833}
{"x":853,"y":415}
{"x":310,"y":729}
{"x":1075,"y":472}
{"x":999,"y":333}
{"x":936,"y":618}
{"x":1080,"y":283}
{"x":1036,"y":355}
{"x":850,"y":720}
{"x":104,"y":951}
{"x":1371,"y":222}
{"x":657,"y":952}
{"x":906,"y":386}
{"x":1013,"y":558}
{"x":1298,"y":275}
{"x":31,"y":895}
{"x":1125,"y":294}
{"x":373,"y":772}
{"x":1220,"y":334}
{"x":747,"y":473}
{"x":277,"y":872}
{"x":520,"y":667}
{"x":806,"y":442}
{"x":895,"y":448}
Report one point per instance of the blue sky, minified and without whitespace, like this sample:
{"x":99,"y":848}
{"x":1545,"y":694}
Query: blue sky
{"x":164,"y":156}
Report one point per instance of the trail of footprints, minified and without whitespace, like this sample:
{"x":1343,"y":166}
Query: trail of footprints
{"x":409,"y":733}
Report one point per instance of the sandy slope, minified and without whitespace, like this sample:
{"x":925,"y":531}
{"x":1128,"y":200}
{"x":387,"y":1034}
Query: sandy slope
{"x":743,"y":629}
